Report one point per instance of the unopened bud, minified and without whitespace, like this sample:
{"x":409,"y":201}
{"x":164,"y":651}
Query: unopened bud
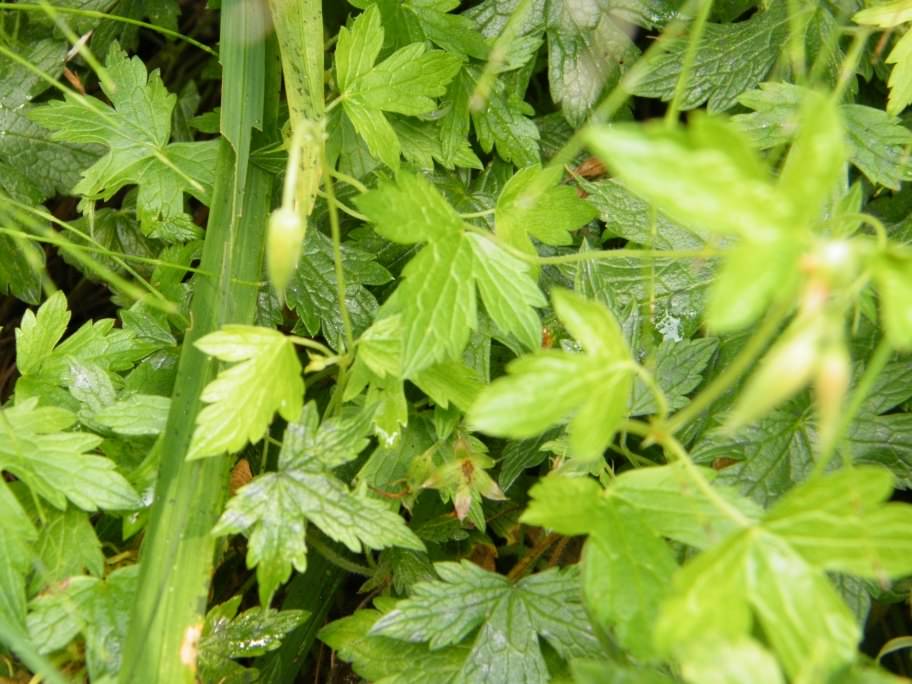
{"x":283,"y":246}
{"x":785,"y":370}
{"x":831,"y":383}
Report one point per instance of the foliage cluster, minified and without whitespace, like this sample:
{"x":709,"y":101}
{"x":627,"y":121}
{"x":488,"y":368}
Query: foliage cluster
{"x":495,"y":341}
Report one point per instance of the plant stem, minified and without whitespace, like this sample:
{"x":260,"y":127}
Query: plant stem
{"x":874,"y":368}
{"x":337,"y":250}
{"x":325,"y":550}
{"x":693,"y":43}
{"x":722,"y":382}
{"x":675,"y":448}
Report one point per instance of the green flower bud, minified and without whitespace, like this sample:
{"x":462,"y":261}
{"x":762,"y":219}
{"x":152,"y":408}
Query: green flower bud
{"x":283,"y":247}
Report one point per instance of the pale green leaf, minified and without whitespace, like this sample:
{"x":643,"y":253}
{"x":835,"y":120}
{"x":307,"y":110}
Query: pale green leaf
{"x":508,"y":291}
{"x":592,"y":325}
{"x":410,"y":210}
{"x":707,"y":600}
{"x":901,"y":77}
{"x":569,"y":506}
{"x":242,"y":400}
{"x":543,"y":389}
{"x":136,"y":131}
{"x":808,"y":625}
{"x":450,"y":382}
{"x":816,"y":159}
{"x":751,"y":275}
{"x":739,"y":661}
{"x":548,"y":215}
{"x":376,"y":131}
{"x":669,"y":501}
{"x":439,"y":304}
{"x":407,"y":81}
{"x":886,"y":14}
{"x":15,"y":556}
{"x":893,"y":274}
{"x":38,"y":334}
{"x":839,"y":523}
{"x":379,"y":658}
{"x":705,"y":177}
{"x":627,"y":570}
{"x":57,"y":465}
{"x":357,"y":47}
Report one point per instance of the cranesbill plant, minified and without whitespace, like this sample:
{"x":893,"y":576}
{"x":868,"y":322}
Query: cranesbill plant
{"x":493,"y":341}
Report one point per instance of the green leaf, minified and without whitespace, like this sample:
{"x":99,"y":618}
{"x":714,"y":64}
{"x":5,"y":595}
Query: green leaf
{"x":38,"y":334}
{"x":97,"y":609}
{"x":504,"y":124}
{"x":137,"y":414}
{"x":265,"y":379}
{"x":66,"y":545}
{"x":707,"y":600}
{"x":705,"y":177}
{"x":511,"y":618}
{"x":893,"y":274}
{"x":799,"y":611}
{"x":358,"y":47}
{"x":253,"y":633}
{"x":136,"y":131}
{"x":569,"y":506}
{"x":730,"y":59}
{"x":508,"y":293}
{"x":666,"y":498}
{"x":739,"y":661}
{"x":876,"y":140}
{"x":771,"y":454}
{"x":627,"y":216}
{"x":548,"y":216}
{"x":28,"y":153}
{"x":410,"y":210}
{"x":889,"y":15}
{"x":21,"y":268}
{"x":439,"y":303}
{"x":437,"y":295}
{"x":816,"y":159}
{"x":312,"y":290}
{"x":587,"y":48}
{"x":380,"y":658}
{"x":56,"y":464}
{"x":840,"y":523}
{"x":548,"y":387}
{"x":678,"y":370}
{"x":15,"y":556}
{"x":274,"y":508}
{"x":622,"y":551}
{"x":407,"y":82}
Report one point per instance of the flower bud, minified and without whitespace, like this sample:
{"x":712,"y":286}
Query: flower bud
{"x":785,"y":370}
{"x":283,"y":246}
{"x":831,"y":383}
